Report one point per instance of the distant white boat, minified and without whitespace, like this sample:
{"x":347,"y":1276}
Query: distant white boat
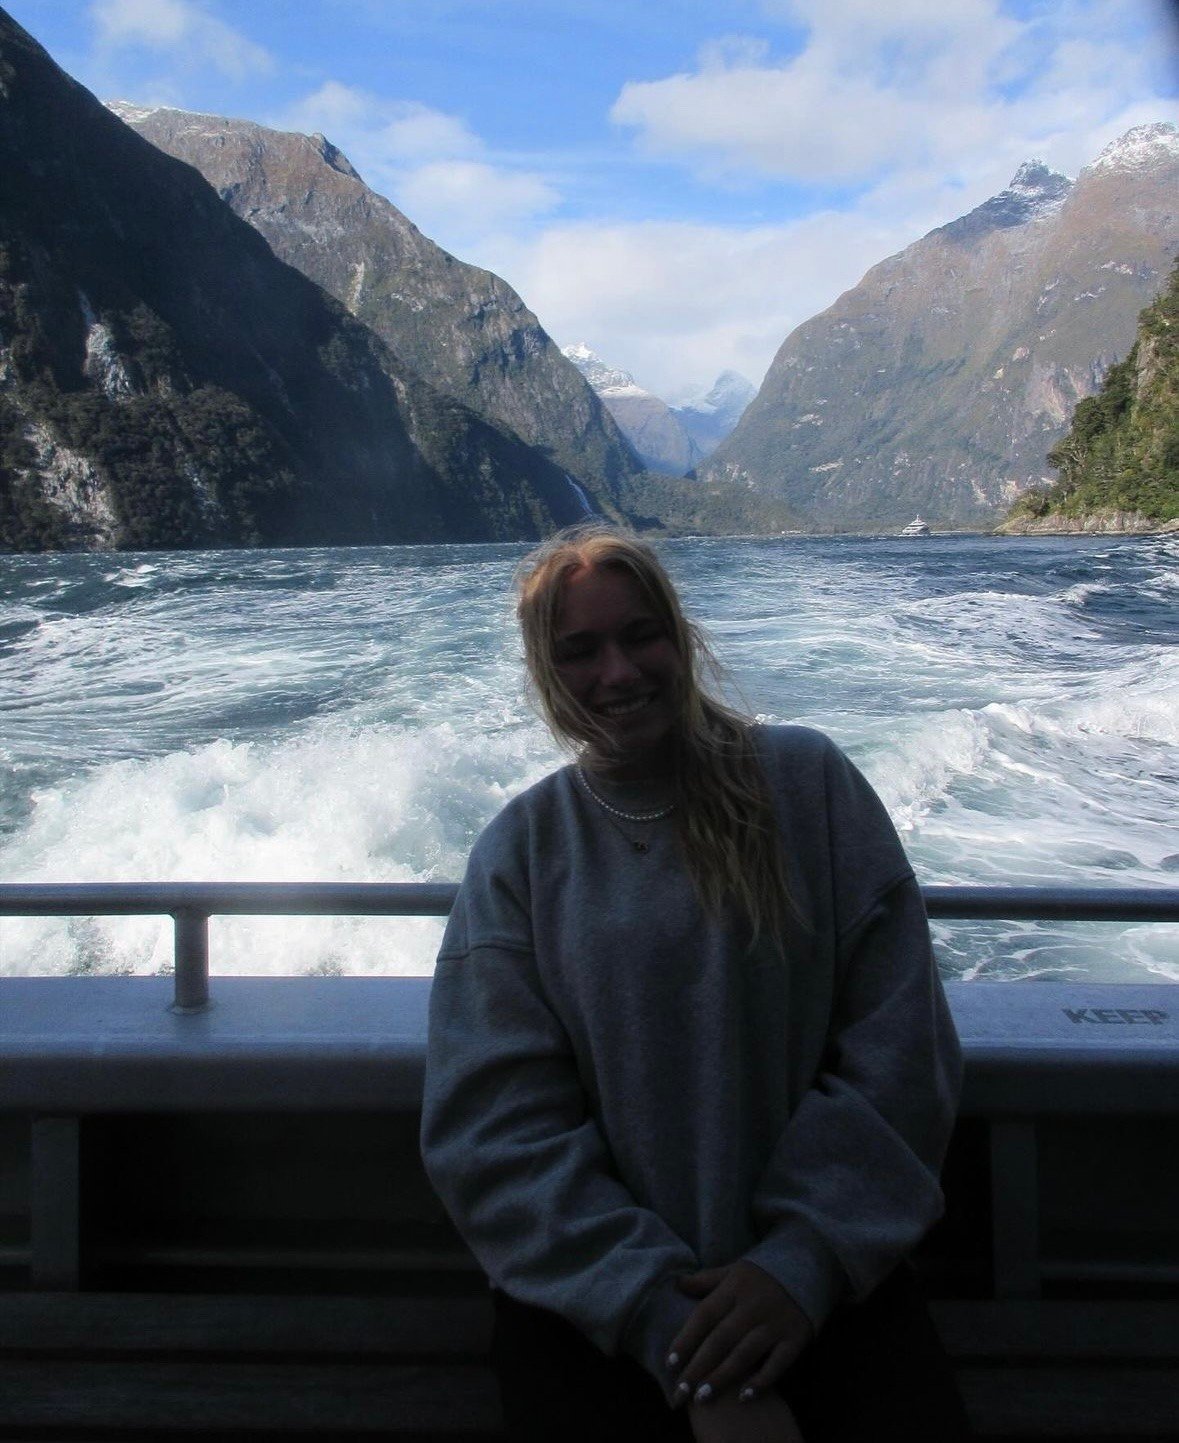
{"x":916,"y":527}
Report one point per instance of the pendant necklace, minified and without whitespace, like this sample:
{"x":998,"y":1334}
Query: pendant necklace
{"x":615,"y":815}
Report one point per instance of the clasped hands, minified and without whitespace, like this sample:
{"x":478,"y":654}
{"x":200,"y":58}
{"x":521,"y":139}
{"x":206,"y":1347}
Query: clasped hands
{"x":738,"y":1341}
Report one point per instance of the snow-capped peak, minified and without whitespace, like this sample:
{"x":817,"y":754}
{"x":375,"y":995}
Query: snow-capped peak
{"x":606,"y":380}
{"x":1035,"y":177}
{"x":1140,"y":147}
{"x":1036,"y":188}
{"x":1036,"y":192}
{"x":130,"y":113}
{"x":725,"y":399}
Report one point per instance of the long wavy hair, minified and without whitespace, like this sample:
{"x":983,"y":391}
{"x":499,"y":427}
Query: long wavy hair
{"x":723,"y":809}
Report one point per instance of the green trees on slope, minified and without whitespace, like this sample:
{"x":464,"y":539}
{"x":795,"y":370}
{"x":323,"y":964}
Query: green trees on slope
{"x":1122,"y":451}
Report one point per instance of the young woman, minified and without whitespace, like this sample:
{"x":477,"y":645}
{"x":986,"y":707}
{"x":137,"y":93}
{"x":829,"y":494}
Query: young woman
{"x":690,"y":1073}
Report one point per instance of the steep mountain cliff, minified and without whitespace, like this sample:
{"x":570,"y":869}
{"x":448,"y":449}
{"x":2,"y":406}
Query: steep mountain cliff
{"x":1119,"y":462}
{"x":649,"y":424}
{"x":462,"y":329}
{"x":942,"y":380}
{"x":166,"y":381}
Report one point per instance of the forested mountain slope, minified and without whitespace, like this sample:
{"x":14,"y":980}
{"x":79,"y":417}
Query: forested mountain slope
{"x":1119,"y":462}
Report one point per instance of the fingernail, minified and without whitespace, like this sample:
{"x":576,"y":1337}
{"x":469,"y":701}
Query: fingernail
{"x":673,"y":1360}
{"x":746,"y":1395}
{"x":703,"y":1393}
{"x":683,"y":1389}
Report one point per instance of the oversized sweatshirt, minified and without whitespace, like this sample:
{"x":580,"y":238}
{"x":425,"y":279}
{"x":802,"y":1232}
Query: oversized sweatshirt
{"x":619,"y":1090}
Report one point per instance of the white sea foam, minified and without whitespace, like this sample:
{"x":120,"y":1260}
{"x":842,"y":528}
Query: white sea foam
{"x":134,"y":577}
{"x":1083,"y":591}
{"x":381,"y":804}
{"x":335,"y":715}
{"x":1164,"y":582}
{"x":915,"y":769}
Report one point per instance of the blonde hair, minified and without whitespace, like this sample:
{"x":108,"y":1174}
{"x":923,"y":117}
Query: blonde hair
{"x":723,"y":811}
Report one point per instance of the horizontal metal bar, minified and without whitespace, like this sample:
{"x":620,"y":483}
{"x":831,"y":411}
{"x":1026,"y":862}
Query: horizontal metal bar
{"x":435,"y":899}
{"x":258,"y":899}
{"x":1065,"y":904}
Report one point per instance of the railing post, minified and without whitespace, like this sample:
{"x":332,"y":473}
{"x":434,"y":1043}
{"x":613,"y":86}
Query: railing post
{"x":191,"y":957}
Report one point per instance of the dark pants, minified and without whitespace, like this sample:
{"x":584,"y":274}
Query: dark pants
{"x":877,"y":1368}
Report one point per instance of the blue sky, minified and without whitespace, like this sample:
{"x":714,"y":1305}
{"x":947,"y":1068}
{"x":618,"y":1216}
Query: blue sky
{"x":678,"y":184}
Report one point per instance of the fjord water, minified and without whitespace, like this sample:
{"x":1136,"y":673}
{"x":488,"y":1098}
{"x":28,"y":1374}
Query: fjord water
{"x":360,"y":714}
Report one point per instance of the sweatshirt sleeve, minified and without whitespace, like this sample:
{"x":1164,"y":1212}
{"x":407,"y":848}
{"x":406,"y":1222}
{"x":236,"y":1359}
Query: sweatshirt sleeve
{"x":852,"y":1184}
{"x":513,"y":1151}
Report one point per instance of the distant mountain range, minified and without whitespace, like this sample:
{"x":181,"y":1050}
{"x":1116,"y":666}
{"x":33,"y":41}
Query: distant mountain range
{"x":669,"y":439}
{"x":940,"y":382}
{"x":649,"y":424}
{"x":212,"y":333}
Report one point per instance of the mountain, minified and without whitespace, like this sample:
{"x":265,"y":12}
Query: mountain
{"x":709,"y":418}
{"x":1119,"y":462}
{"x":166,"y":381}
{"x":941,"y":381}
{"x":661,"y":499}
{"x":462,"y":329}
{"x":654,"y":431}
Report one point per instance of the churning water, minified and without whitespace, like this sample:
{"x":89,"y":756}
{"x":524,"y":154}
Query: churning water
{"x":359,"y":715}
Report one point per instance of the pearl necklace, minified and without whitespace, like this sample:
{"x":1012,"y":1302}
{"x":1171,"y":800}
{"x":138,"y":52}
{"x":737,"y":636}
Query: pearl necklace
{"x":637,"y":843}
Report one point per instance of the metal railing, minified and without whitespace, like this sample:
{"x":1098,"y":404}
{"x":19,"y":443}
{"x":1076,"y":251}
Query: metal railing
{"x":191,"y":904}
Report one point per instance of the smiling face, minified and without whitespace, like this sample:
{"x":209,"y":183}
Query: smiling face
{"x":617,"y":658}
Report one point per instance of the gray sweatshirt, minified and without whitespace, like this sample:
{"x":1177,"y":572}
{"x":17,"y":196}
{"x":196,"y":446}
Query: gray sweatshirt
{"x":618,"y":1091}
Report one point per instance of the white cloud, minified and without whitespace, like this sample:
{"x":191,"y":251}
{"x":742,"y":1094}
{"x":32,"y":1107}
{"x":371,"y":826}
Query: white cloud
{"x":462,"y":199}
{"x":420,"y":133}
{"x":333,"y":107}
{"x":390,"y":132}
{"x":675,"y":303}
{"x":888,"y":89}
{"x":918,"y":110}
{"x":733,"y":52}
{"x":181,"y":30}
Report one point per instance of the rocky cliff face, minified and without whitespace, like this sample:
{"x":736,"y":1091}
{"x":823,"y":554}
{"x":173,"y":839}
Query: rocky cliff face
{"x":649,"y":424}
{"x":942,"y":380}
{"x":462,"y":329}
{"x":166,"y":381}
{"x":1119,"y":462}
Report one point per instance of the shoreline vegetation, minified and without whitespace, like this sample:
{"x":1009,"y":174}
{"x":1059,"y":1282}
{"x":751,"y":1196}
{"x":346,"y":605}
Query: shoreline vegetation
{"x":1119,"y":462}
{"x":1092,"y":523}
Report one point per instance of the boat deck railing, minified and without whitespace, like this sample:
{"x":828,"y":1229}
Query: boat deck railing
{"x":187,"y":1166}
{"x":192,"y":904}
